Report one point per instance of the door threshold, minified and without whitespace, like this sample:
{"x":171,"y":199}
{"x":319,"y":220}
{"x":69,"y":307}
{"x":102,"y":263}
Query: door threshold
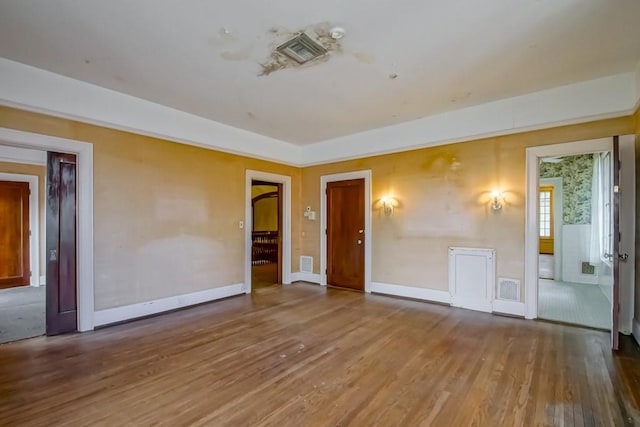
{"x":577,"y":325}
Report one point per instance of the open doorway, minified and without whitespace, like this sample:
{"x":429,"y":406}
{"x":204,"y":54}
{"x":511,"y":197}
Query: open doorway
{"x":38,"y":293}
{"x":622,"y":211}
{"x":22,"y":298}
{"x":575,"y":239}
{"x":266,"y":233}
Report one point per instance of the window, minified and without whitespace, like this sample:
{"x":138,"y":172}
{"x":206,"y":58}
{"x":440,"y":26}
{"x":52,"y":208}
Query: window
{"x":545,"y":213}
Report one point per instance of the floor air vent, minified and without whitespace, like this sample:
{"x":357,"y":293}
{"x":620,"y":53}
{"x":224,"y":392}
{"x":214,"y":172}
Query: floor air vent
{"x":306,"y":264}
{"x":508,"y":289}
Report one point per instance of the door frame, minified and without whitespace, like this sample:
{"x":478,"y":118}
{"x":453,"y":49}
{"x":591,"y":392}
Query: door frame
{"x":533,"y":155}
{"x":34,"y":222}
{"x":324,"y":179}
{"x":285,"y":202}
{"x":84,"y":152}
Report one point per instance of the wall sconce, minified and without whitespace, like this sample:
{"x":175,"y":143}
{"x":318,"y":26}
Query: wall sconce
{"x":388,"y":203}
{"x":497,"y":199}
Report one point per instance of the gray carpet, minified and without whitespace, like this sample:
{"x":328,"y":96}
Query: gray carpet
{"x":22,"y":313}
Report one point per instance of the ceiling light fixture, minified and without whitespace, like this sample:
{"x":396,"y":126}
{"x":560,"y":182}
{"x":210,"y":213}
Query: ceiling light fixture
{"x":336,"y":33}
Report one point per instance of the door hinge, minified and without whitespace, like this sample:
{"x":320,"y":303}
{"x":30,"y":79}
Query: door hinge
{"x":30,"y":273}
{"x":616,"y":188}
{"x":29,"y":233}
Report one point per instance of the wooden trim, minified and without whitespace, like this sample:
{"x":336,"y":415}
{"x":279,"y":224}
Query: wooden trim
{"x":264,"y":196}
{"x":615,"y":321}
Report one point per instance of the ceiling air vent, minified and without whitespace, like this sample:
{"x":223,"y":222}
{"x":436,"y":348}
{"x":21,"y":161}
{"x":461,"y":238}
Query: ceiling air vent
{"x":301,"y":49}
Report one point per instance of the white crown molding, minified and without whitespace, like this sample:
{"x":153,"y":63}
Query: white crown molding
{"x":603,"y":98}
{"x":41,"y":91}
{"x":37,"y":90}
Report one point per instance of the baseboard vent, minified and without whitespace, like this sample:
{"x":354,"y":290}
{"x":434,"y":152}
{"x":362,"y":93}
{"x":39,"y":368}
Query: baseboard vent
{"x":306,"y":264}
{"x":588,"y":268}
{"x":508,"y":289}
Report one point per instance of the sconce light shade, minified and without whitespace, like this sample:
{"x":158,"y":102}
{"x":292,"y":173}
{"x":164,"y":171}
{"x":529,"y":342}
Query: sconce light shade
{"x":497,"y":198}
{"x":387,"y":205}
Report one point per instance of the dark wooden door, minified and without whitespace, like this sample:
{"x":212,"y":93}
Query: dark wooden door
{"x":14,"y":234}
{"x":615,"y":305}
{"x":61,"y":243}
{"x":279,"y":273}
{"x":345,"y":234}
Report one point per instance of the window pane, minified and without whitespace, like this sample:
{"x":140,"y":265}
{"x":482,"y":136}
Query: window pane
{"x":545,"y":214}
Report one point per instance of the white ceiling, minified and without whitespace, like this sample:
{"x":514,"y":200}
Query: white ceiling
{"x":204,"y":57}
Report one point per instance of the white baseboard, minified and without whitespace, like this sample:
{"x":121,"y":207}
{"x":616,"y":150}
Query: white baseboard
{"x":305,"y":277}
{"x":513,"y":308}
{"x":636,"y":330}
{"x":432,"y":295}
{"x":128,"y":312}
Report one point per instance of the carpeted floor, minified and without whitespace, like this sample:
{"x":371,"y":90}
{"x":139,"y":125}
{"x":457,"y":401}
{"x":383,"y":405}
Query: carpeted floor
{"x":575,"y":303}
{"x":22,"y":313}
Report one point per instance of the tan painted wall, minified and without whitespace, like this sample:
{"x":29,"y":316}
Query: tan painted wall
{"x":166,"y":214}
{"x":443,"y":195}
{"x":40,"y":172}
{"x":636,"y":118}
{"x":265,"y":211}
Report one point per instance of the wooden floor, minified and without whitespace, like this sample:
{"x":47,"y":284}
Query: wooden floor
{"x":305,"y":355}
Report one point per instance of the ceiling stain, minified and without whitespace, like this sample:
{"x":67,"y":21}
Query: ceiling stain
{"x":223,"y":37}
{"x":318,"y":32}
{"x":274,"y":63}
{"x":462,"y":97}
{"x":238,"y":55}
{"x":364,"y":57}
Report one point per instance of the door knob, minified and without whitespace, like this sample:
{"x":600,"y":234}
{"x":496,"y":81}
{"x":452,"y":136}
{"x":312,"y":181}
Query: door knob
{"x":359,"y":241}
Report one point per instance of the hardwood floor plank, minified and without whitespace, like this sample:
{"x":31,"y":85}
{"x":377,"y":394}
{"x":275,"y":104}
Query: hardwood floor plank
{"x":305,"y":355}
